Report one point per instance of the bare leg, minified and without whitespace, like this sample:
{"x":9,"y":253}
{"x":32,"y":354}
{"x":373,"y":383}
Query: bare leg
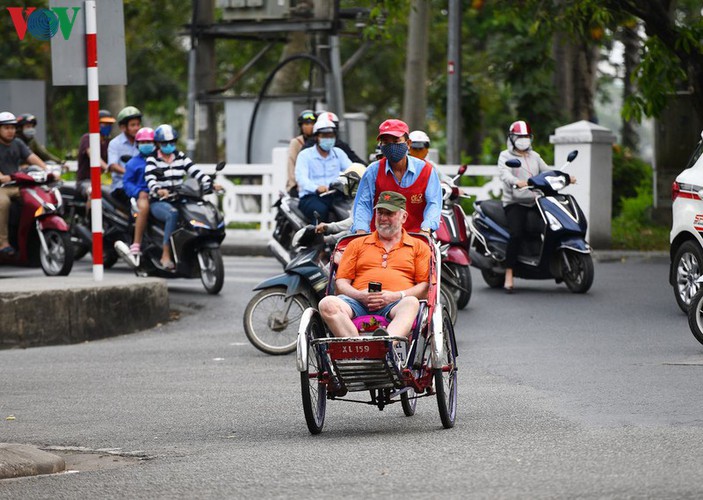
{"x":337,"y":315}
{"x":166,"y":253}
{"x":142,"y":217}
{"x":402,"y":317}
{"x":508,"y":278}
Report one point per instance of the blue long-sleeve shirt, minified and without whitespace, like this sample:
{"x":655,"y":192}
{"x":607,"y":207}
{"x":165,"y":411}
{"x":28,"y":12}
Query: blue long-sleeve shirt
{"x":133,"y":181}
{"x":363,"y":203}
{"x":313,"y":170}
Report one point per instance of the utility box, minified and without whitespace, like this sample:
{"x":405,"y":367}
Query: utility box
{"x":356,"y":131}
{"x":25,"y":96}
{"x":274,"y":10}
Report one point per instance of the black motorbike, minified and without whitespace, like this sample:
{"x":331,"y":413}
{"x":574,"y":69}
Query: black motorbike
{"x":555,"y":244}
{"x":272,"y":316}
{"x":290,"y":220}
{"x":195,"y":244}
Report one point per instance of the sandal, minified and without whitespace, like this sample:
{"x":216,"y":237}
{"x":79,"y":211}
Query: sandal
{"x":8,"y":251}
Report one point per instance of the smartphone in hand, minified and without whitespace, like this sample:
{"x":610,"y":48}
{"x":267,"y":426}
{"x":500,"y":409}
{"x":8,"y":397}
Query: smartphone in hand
{"x":374,"y":286}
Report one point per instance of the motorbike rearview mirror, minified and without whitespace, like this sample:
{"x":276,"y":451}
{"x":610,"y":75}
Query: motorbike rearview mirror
{"x":462,"y":169}
{"x":220,"y":166}
{"x":513,"y":163}
{"x":572,"y":156}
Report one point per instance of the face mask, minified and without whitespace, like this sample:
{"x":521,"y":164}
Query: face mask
{"x":327,"y":143}
{"x":167,"y":149}
{"x":394,"y":152}
{"x":523,"y":143}
{"x":146,"y":149}
{"x":29,"y":133}
{"x":105,"y":130}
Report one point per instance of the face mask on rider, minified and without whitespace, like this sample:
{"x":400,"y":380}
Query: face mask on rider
{"x":523,"y":143}
{"x":29,"y":133}
{"x":105,"y":130}
{"x":167,"y":148}
{"x":394,"y":152}
{"x":146,"y":149}
{"x":327,"y":143}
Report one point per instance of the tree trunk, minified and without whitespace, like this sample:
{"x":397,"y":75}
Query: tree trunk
{"x":631,"y":43}
{"x":205,"y":80}
{"x":115,"y":99}
{"x":292,"y":76}
{"x":415,"y":95}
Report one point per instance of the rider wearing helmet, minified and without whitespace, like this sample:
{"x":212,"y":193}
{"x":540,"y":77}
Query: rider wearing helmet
{"x":397,"y":171}
{"x":338,"y":143}
{"x":164,"y":173}
{"x":306,"y":121}
{"x":26,"y":131}
{"x":317,"y":167}
{"x":129,"y":120}
{"x":13,"y":152}
{"x":135,"y":184}
{"x":83,"y":174}
{"x":518,"y":202}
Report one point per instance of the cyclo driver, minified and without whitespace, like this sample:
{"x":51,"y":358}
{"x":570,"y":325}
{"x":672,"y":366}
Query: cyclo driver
{"x":388,"y":256}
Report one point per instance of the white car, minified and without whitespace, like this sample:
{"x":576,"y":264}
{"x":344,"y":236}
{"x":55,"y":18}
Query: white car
{"x":686,"y":238}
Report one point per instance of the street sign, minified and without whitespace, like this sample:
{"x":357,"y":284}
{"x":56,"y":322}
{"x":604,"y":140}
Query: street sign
{"x":68,"y":53}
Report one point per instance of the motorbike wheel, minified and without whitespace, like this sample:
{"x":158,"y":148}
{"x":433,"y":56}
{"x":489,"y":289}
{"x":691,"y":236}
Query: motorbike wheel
{"x":212,"y":269}
{"x":688,"y":265}
{"x":695,"y":315}
{"x":493,"y":280}
{"x":579,"y":274}
{"x":266,"y":327}
{"x":462,"y":275}
{"x":110,"y":257}
{"x":449,"y":302}
{"x":58,"y":259}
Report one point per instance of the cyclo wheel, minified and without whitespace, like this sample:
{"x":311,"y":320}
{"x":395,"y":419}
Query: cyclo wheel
{"x":314,"y":393}
{"x":445,"y":376}
{"x":408,"y":401}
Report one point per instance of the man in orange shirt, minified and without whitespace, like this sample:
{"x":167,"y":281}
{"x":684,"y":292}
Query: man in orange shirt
{"x":388,"y":256}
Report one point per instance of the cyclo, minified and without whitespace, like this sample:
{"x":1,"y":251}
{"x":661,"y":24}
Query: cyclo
{"x":421,"y":365}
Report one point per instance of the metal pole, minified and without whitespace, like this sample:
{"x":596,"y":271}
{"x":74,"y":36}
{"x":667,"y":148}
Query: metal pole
{"x":96,"y":207}
{"x":337,"y":93}
{"x":192,"y":60}
{"x":454,"y":83}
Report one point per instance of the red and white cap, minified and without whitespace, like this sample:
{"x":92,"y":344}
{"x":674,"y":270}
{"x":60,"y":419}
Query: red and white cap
{"x":396,"y":128}
{"x":520,"y":127}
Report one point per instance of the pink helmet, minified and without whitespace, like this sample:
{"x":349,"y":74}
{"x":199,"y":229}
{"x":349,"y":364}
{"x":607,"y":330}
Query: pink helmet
{"x":520,"y":128}
{"x":144,"y":134}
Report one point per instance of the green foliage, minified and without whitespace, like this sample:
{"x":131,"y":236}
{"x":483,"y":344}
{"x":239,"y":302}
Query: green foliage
{"x":632,"y":178}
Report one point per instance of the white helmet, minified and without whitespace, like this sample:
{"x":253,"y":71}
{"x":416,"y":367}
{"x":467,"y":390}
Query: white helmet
{"x":7,"y":118}
{"x":420,"y":138}
{"x":323,"y":124}
{"x":329,"y":115}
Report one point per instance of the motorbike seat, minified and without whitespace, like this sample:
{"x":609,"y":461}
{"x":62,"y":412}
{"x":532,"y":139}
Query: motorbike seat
{"x":293,"y":204}
{"x":494,"y":210}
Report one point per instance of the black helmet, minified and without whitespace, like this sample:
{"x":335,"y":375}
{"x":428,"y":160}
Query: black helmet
{"x":306,"y":116}
{"x":26,"y":118}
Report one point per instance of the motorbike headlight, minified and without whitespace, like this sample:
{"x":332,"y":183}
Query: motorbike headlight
{"x":554,"y":224}
{"x":198,"y":224}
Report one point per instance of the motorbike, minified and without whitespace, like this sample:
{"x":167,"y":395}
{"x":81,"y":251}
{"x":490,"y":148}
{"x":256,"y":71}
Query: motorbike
{"x":554,"y":246}
{"x":117,"y":223}
{"x":195,"y":244}
{"x":271,"y":317}
{"x":36,"y":230}
{"x":453,"y":238}
{"x":290,"y":220}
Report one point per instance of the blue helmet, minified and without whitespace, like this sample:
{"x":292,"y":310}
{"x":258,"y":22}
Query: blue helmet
{"x":165,"y":133}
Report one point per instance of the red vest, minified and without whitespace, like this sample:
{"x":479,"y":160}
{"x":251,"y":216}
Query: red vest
{"x":414,"y":194}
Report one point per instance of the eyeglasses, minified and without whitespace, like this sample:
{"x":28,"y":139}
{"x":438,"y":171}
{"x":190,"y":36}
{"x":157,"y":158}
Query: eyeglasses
{"x":384,"y":262}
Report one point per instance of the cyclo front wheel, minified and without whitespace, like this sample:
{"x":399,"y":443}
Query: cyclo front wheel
{"x":445,"y":376}
{"x":314,"y":392}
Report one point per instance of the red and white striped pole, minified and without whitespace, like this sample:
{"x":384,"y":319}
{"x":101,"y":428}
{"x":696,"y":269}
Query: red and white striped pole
{"x":96,"y":207}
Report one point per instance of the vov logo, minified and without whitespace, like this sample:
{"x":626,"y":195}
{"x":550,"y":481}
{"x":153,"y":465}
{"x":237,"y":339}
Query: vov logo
{"x":43,"y":24}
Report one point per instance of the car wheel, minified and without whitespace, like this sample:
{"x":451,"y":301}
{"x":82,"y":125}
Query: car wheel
{"x":687,"y":266}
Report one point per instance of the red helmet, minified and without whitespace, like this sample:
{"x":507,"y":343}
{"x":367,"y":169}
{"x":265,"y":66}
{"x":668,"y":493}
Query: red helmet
{"x":520,"y":127}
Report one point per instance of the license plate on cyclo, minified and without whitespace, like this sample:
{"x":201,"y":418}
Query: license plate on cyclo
{"x":357,"y":350}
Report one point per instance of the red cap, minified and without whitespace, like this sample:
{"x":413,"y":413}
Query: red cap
{"x":396,"y":128}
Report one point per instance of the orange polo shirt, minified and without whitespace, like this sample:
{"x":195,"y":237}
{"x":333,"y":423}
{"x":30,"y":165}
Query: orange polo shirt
{"x":408,"y":263}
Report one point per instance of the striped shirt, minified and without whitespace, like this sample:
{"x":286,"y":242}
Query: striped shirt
{"x":161,"y":175}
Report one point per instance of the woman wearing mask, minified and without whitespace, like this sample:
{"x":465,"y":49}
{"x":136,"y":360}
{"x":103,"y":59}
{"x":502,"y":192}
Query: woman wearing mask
{"x":135,"y":184}
{"x":518,"y":202}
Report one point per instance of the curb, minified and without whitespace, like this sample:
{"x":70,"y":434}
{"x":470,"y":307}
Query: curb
{"x":21,"y":460}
